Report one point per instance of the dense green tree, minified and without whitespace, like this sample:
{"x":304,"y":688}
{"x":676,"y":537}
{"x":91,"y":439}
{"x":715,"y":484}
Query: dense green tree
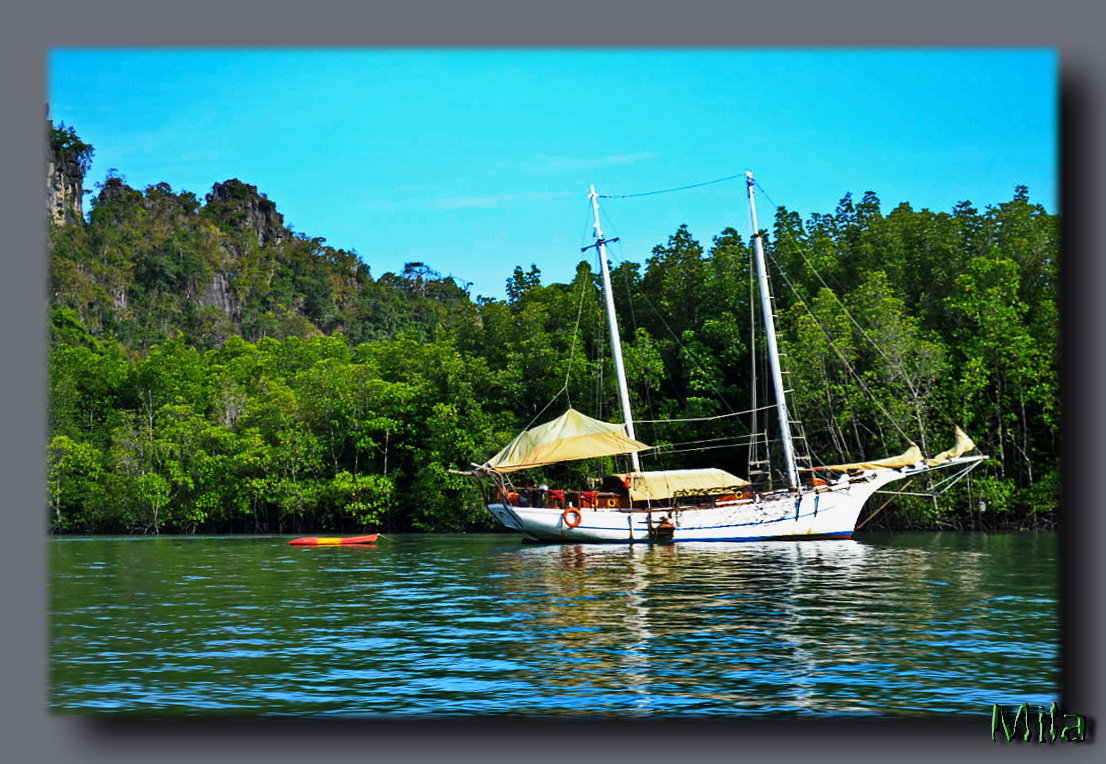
{"x":210,"y":370}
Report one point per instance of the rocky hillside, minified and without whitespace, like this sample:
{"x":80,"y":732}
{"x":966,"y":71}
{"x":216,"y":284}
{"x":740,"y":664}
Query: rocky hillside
{"x":147,"y":265}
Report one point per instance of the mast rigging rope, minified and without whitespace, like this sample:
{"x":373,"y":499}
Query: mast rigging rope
{"x":670,"y":190}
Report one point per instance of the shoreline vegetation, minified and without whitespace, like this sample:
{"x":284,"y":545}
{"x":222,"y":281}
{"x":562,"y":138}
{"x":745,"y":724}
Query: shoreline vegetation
{"x":212,"y":371}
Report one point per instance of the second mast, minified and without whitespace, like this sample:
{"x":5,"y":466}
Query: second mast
{"x":773,"y":350}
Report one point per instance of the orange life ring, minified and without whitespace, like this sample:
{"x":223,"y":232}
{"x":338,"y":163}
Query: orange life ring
{"x":572,"y":517}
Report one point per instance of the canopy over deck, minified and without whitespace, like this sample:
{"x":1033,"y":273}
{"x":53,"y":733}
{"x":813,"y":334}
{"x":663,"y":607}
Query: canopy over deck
{"x":568,"y":437}
{"x":672,"y":483}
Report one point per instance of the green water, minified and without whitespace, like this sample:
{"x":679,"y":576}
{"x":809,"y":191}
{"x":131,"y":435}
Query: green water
{"x":887,"y":625}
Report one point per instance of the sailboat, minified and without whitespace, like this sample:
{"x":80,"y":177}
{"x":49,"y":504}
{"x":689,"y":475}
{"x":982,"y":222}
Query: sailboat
{"x":707,"y":504}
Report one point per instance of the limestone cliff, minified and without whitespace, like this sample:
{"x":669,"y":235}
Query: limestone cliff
{"x":67,"y":161}
{"x":153,"y":263}
{"x":241,"y":206}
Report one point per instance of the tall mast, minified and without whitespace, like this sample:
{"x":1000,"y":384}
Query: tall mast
{"x":773,"y":351}
{"x":612,"y":321}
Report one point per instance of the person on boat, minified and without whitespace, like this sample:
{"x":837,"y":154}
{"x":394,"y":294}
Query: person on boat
{"x":663,"y":530}
{"x":525,"y":493}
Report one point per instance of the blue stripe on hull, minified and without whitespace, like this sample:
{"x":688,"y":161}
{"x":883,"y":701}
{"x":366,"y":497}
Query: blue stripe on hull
{"x":841,"y":535}
{"x":725,"y":533}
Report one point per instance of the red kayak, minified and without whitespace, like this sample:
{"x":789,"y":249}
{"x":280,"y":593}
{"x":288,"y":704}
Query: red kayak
{"x":334,"y":540}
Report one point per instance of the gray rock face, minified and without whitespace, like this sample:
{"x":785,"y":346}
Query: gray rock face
{"x":220,"y":295}
{"x":64,"y":189}
{"x":240,"y":205}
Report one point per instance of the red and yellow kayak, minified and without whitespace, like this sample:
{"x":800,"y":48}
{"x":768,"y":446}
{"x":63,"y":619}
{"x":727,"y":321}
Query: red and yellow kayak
{"x":334,"y":540}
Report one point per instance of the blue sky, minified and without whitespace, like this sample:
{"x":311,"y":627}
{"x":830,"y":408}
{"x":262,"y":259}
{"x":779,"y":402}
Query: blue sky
{"x":477,"y":160}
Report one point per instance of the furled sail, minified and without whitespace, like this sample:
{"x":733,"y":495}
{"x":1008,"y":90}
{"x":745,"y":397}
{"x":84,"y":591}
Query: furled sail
{"x":963,"y":445}
{"x":671,"y":483}
{"x":912,"y":456}
{"x":570,"y":436}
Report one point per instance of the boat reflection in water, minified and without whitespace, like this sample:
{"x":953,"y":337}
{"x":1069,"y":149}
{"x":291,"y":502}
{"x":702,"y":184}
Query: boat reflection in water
{"x":835,"y":627}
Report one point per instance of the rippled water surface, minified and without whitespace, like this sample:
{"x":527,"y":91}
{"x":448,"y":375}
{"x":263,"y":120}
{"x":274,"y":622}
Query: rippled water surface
{"x":886,"y":625}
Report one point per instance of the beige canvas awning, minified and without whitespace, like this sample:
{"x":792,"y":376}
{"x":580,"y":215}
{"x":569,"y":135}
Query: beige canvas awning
{"x":913,"y":455}
{"x":669,"y":483}
{"x":963,"y":445}
{"x":568,"y":437}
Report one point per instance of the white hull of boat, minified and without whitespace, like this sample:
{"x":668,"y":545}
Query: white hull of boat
{"x":828,"y":513}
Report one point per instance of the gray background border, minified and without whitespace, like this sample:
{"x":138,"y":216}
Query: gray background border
{"x":31,"y":734}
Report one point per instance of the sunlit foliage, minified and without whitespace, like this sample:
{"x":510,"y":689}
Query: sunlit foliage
{"x":204,"y":378}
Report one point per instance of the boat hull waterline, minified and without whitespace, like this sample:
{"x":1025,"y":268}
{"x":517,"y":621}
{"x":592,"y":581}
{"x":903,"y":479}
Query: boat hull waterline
{"x":827,"y":512}
{"x":834,"y":517}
